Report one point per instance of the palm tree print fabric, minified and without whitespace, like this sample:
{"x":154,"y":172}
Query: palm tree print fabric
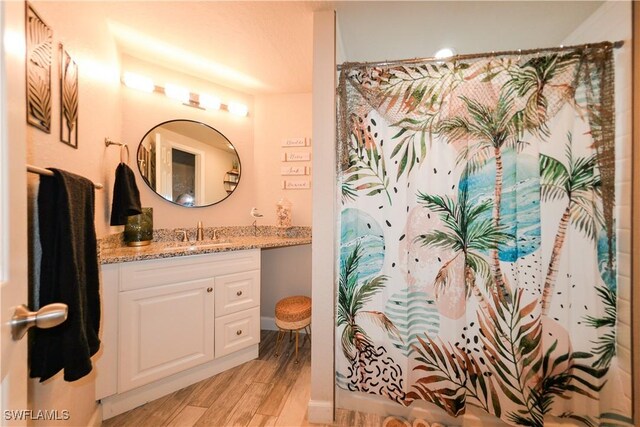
{"x":477,"y":248}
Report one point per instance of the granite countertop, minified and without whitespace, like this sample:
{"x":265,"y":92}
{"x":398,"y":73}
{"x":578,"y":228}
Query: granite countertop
{"x":113,"y":250}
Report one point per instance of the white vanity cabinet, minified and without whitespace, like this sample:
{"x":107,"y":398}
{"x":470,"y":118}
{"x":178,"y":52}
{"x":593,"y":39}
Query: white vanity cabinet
{"x":168,"y":323}
{"x":164,"y":330}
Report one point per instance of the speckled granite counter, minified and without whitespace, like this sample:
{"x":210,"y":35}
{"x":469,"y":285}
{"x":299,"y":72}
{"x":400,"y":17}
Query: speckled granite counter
{"x":164,"y":245}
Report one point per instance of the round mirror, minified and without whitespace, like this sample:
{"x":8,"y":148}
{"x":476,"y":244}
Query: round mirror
{"x":188,"y":163}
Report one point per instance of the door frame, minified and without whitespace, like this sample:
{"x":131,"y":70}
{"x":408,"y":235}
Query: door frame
{"x":635,"y":212}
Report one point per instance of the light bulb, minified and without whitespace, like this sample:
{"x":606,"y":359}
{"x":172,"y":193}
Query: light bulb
{"x":209,"y":102}
{"x":176,"y":92}
{"x":238,"y":109}
{"x":136,"y":81}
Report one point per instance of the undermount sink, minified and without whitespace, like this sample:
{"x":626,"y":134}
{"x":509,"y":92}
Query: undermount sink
{"x":194,"y":246}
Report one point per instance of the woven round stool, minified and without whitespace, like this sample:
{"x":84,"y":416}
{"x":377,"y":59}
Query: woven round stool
{"x":293,"y":314}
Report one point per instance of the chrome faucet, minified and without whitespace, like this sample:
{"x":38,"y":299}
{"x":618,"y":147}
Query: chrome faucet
{"x":183,"y":235}
{"x":200,"y":232}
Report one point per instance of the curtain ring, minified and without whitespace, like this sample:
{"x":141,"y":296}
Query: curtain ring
{"x":124,"y":147}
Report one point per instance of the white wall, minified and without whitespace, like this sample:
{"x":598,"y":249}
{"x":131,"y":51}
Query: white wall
{"x":284,"y":272}
{"x":85,"y":36}
{"x":612,"y":21}
{"x":279,"y":117}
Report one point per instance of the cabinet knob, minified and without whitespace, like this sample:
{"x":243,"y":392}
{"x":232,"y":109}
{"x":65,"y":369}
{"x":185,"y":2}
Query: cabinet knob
{"x":239,"y":293}
{"x":209,"y":290}
{"x":239,"y":332}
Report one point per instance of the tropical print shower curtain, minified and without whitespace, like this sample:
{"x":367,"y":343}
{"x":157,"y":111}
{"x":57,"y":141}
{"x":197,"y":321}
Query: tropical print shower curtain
{"x":477,"y":260}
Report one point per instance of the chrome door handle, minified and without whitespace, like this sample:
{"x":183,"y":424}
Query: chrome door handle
{"x":47,"y":317}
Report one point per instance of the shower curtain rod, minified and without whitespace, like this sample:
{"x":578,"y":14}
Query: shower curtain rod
{"x":616,"y":45}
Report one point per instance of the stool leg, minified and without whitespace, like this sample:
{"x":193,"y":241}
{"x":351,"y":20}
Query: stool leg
{"x":297,"y":334}
{"x":279,"y":340}
{"x":290,"y":335}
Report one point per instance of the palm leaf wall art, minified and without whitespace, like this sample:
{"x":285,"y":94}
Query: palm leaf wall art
{"x":39,"y":44}
{"x":68,"y":99}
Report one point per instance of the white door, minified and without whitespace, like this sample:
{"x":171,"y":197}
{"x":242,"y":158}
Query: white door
{"x":13,"y":212}
{"x":164,"y":168}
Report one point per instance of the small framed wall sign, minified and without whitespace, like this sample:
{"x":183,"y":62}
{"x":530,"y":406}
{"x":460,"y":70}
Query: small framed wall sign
{"x":39,"y":44}
{"x":295,"y":142}
{"x":68,"y":99}
{"x":297,"y":184}
{"x":295,"y":170}
{"x":296,"y":156}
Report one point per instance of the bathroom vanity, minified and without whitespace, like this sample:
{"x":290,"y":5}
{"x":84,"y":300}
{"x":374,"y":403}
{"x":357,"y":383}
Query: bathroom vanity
{"x":175,"y":314}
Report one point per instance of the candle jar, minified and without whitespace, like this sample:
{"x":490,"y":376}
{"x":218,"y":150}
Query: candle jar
{"x":283,"y":213}
{"x":138,"y":231}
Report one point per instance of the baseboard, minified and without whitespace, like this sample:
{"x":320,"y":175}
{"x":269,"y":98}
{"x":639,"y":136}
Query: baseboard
{"x":320,"y":411}
{"x":96,"y":417}
{"x":123,"y":402}
{"x":268,"y":323}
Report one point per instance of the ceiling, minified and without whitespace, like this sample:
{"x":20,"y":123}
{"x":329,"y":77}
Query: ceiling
{"x":399,"y":30}
{"x":263,"y":47}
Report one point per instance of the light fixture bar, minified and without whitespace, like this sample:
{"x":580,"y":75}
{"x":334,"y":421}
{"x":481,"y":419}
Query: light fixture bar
{"x":191,"y":99}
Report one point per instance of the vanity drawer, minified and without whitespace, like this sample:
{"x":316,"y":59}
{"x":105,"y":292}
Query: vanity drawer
{"x":237,"y":331}
{"x":237,"y":292}
{"x":158,"y":272}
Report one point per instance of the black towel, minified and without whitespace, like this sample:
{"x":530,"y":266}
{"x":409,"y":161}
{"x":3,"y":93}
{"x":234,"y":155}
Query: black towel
{"x":126,"y":196}
{"x":68,"y":274}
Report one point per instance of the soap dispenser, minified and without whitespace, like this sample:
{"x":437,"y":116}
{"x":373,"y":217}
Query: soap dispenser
{"x":283,"y":213}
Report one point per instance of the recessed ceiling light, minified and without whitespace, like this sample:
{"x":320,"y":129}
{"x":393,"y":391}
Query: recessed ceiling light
{"x":445,"y":52}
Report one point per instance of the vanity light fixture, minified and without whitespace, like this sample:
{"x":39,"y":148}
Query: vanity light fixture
{"x":136,"y":81}
{"x":237,"y":109}
{"x":202,"y":101}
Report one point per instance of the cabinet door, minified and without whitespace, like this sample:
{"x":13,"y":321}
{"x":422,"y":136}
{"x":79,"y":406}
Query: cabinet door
{"x":237,"y":292}
{"x":237,"y":331}
{"x":164,"y":330}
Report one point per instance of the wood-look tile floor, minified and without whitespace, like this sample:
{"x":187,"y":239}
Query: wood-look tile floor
{"x":267,"y":391}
